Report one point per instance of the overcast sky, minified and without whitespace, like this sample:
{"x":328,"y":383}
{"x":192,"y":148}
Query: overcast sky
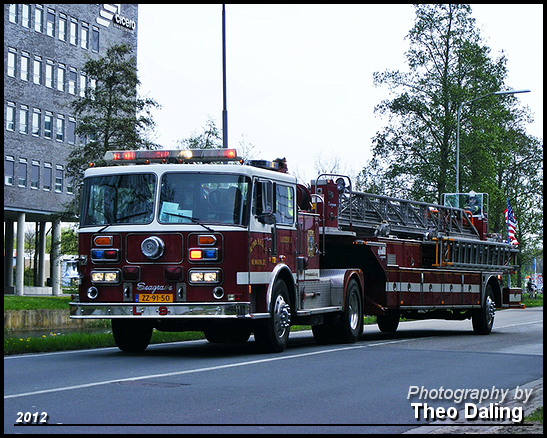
{"x":299,"y":77}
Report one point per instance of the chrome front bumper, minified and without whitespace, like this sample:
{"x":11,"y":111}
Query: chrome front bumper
{"x":168,"y":310}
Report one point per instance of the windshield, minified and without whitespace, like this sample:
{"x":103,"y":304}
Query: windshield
{"x":204,"y":198}
{"x":112,"y":199}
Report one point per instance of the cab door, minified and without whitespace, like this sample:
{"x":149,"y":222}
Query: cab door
{"x":274,"y":223}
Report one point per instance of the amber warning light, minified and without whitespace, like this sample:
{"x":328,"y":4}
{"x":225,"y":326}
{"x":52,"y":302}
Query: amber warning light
{"x":172,"y":156}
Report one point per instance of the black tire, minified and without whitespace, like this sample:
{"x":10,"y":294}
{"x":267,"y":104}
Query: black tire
{"x":219,"y":336}
{"x":483,"y":318}
{"x":324,"y":333}
{"x":131,"y":336}
{"x":273,"y":334}
{"x":388,"y":323}
{"x":350,"y":325}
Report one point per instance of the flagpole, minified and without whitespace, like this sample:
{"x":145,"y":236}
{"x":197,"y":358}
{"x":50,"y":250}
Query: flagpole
{"x":507,"y":225}
{"x":507,"y":220}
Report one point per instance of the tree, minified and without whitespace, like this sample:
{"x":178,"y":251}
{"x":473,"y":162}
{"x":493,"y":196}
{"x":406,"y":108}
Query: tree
{"x":414,"y":155}
{"x":210,"y":138}
{"x":111,"y":116}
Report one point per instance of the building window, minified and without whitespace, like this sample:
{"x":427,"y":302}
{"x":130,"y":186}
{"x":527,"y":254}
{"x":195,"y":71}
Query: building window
{"x":72,"y":76}
{"x":71,"y":131}
{"x":59,"y":171}
{"x":39,"y":19}
{"x":12,"y":56}
{"x":82,"y":85}
{"x":95,"y":39}
{"x":49,"y":74}
{"x":60,"y":131}
{"x":61,"y":77}
{"x":73,"y":32}
{"x":85,"y":36}
{"x":25,"y":62}
{"x":25,"y":16}
{"x":9,"y":171}
{"x":23,"y":120}
{"x":10,"y":117}
{"x":38,"y":70}
{"x":36,"y":122}
{"x":47,"y":176}
{"x":22,"y":173}
{"x":48,"y":126}
{"x":69,"y":186}
{"x":35,"y":175}
{"x":13,"y":13}
{"x":92,"y":86}
{"x":50,"y":23}
{"x":62,"y":27}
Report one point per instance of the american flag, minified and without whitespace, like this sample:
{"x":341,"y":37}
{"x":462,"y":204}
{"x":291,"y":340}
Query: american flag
{"x":511,"y":225}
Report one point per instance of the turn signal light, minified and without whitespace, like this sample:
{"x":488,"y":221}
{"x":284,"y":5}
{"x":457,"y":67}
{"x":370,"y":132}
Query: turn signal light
{"x":103,"y":240}
{"x":203,"y":254}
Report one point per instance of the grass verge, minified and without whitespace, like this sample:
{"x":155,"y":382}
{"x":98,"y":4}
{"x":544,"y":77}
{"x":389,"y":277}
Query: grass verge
{"x":536,"y":416}
{"x":13,"y":302}
{"x":80,"y":340}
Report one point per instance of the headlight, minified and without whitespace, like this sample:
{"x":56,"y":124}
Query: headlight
{"x":204,"y":277}
{"x":110,"y":277}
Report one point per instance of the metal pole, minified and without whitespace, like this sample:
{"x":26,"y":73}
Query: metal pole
{"x":224,"y":111}
{"x":458,"y":156}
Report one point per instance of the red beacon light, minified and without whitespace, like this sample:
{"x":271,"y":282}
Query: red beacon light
{"x":172,"y":156}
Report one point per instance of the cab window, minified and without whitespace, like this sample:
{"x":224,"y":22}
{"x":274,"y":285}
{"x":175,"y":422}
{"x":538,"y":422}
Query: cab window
{"x":284,"y":204}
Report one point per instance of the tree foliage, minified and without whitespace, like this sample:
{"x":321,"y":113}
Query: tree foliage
{"x":414,"y":156}
{"x":209,"y":138}
{"x":111,"y":115}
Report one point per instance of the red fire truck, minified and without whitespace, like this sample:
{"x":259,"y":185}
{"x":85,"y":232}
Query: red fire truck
{"x":199,"y":240}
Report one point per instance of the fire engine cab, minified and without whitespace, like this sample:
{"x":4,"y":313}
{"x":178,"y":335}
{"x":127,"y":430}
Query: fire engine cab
{"x":200,"y":240}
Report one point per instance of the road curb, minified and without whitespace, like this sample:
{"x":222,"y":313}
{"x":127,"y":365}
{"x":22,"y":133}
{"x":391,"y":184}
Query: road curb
{"x":453,"y":427}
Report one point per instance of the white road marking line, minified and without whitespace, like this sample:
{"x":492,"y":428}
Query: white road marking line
{"x":200,"y":370}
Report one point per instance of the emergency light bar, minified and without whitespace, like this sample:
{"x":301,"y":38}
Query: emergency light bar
{"x":172,"y":156}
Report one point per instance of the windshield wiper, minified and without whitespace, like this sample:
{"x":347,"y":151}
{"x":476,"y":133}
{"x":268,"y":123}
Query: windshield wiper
{"x":193,"y":219}
{"x":118,"y":220}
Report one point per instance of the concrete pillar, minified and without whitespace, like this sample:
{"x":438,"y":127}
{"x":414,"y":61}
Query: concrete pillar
{"x":20,"y":260}
{"x":41,"y":254}
{"x":55,"y":258}
{"x":8,"y":251}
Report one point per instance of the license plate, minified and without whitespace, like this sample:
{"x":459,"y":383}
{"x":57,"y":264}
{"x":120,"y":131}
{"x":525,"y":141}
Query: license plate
{"x":154,"y":298}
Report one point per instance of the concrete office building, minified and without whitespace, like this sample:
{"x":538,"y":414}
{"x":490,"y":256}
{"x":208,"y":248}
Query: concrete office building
{"x":45,"y":49}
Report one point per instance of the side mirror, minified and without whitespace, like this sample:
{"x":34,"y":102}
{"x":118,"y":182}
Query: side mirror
{"x":266,"y":218}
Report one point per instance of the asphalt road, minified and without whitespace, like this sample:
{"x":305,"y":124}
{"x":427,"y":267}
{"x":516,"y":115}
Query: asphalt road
{"x":197,"y":387}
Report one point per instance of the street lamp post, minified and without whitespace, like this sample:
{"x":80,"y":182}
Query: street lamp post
{"x":497,"y":93}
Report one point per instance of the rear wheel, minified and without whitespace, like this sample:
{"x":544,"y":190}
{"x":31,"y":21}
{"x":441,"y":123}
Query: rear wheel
{"x":131,"y":336}
{"x":349,"y":324}
{"x":273,"y":334}
{"x":483,"y":318}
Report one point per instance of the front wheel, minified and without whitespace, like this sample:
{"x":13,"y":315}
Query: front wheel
{"x":273,"y":334}
{"x":131,"y":336}
{"x":388,"y":323}
{"x":483,"y":318}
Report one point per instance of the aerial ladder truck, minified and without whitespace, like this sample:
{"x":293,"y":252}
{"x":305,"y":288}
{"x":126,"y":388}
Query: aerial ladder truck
{"x":201,"y":240}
